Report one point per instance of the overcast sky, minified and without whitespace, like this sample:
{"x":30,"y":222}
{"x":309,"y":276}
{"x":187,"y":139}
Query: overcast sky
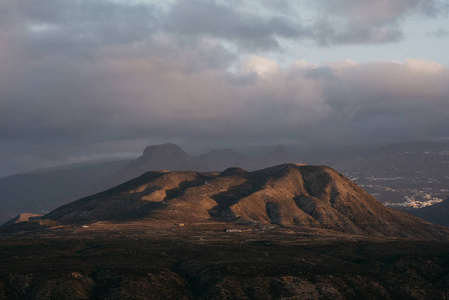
{"x":88,"y":79}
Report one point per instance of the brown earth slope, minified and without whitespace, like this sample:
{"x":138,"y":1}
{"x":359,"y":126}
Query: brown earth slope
{"x":286,"y":195}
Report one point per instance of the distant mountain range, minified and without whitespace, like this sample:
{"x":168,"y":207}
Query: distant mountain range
{"x":414,"y":170}
{"x":286,"y":195}
{"x":41,"y":191}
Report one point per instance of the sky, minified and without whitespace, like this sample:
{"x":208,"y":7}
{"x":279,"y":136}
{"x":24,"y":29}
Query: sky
{"x":91,"y":79}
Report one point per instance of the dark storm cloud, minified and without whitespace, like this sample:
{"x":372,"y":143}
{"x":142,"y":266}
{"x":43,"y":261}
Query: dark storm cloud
{"x":249,"y":31}
{"x":345,"y":22}
{"x":78,"y":28}
{"x":390,"y":100}
{"x":82,"y":78}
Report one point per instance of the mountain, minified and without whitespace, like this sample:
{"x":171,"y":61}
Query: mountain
{"x":437,"y":213}
{"x":171,"y":157}
{"x":157,"y":157}
{"x":44,"y":190}
{"x":393,"y":174}
{"x":284,"y":195}
{"x":51,"y":188}
{"x":166,"y":156}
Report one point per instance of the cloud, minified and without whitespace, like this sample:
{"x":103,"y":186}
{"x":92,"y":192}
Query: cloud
{"x":212,"y":19}
{"x":373,"y":21}
{"x":77,"y":28}
{"x":83,"y":76}
{"x":381,"y":12}
{"x":368,"y":35}
{"x":148,"y":96}
{"x":439,"y":33}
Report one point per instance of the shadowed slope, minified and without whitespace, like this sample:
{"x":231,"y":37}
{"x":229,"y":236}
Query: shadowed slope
{"x":437,"y":213}
{"x":286,"y":195}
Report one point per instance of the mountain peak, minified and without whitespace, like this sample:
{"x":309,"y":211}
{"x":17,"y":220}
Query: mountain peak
{"x":164,"y":156}
{"x":166,"y":149}
{"x":286,"y":195}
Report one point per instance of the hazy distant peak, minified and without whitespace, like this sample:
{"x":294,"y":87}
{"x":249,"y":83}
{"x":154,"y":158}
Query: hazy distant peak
{"x":169,"y":148}
{"x":163,"y":152}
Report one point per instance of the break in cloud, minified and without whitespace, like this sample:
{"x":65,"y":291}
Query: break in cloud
{"x":84,"y":78}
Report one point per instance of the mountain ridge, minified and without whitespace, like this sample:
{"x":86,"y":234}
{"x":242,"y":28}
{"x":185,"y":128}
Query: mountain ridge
{"x":283,"y":195}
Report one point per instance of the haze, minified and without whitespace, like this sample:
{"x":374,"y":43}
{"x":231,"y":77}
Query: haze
{"x":83,"y":80}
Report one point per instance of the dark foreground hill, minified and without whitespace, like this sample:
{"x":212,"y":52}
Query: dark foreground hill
{"x":285,"y":195}
{"x":110,"y":261}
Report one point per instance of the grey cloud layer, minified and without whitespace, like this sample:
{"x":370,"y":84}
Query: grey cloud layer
{"x":373,"y":21}
{"x":77,"y":73}
{"x":381,"y":12}
{"x":249,"y":31}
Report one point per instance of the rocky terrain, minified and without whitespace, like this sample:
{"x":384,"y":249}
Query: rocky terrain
{"x":202,"y":261}
{"x":292,"y":231}
{"x":286,"y":195}
{"x":403,"y":176}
